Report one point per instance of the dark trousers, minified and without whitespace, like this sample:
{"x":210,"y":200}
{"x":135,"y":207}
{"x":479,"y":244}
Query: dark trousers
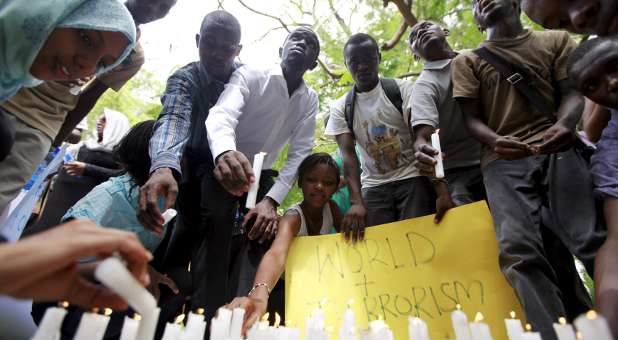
{"x":399,"y":200}
{"x":532,"y":199}
{"x":465,"y":184}
{"x":222,"y":264}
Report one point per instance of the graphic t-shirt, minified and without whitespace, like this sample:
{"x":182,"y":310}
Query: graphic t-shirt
{"x":382,"y":134}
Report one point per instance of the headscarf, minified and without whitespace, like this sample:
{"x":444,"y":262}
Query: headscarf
{"x":26,"y":25}
{"x":116,"y":126}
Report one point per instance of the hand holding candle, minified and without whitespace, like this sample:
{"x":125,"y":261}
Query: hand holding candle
{"x":435,"y":143}
{"x":258,"y":161}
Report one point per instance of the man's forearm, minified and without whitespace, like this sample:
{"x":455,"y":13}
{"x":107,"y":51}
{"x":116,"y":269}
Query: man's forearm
{"x":86,"y":102}
{"x":570,"y":110}
{"x":422,"y":135}
{"x":351,"y":171}
{"x":477,"y":128}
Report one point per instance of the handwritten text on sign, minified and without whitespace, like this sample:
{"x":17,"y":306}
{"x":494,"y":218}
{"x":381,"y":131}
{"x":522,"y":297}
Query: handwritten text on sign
{"x":409,"y":268}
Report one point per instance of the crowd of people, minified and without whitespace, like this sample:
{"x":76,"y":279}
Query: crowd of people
{"x":527,"y":121}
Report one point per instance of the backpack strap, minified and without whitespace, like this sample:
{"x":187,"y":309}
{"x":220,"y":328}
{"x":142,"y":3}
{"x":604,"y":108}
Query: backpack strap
{"x":518,"y":79}
{"x":393,"y":92}
{"x":348,"y":109}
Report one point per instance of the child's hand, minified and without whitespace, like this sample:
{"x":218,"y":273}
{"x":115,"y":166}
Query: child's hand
{"x":510,"y":148}
{"x":254,"y":309}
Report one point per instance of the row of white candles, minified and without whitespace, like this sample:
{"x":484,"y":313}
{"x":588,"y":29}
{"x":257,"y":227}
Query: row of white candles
{"x":228,"y":323}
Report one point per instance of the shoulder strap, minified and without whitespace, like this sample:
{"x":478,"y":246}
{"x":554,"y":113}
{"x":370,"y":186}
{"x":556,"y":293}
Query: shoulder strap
{"x":348,"y":108}
{"x":393,"y":92}
{"x":517,"y":78}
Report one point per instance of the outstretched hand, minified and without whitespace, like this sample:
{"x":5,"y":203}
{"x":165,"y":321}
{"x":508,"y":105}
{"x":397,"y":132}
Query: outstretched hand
{"x":234,"y":172}
{"x":161,"y":183}
{"x":46,"y":266}
{"x":254,"y":309}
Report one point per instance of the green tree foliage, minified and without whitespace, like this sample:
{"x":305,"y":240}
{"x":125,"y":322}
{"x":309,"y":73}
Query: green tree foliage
{"x":139,"y":99}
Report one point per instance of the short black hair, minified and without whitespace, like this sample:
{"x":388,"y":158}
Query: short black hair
{"x":132,"y":151}
{"x":581,"y":51}
{"x":418,"y":25}
{"x":308,"y":30}
{"x":221,"y":19}
{"x":360,"y":38}
{"x":313,"y":160}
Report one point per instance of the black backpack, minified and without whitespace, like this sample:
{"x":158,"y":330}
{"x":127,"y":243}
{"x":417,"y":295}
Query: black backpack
{"x":392,"y":91}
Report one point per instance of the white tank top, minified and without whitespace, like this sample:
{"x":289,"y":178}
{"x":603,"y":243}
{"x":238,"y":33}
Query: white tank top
{"x":327,"y":220}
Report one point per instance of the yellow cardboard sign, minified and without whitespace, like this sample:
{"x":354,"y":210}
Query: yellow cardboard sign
{"x":408,"y":268}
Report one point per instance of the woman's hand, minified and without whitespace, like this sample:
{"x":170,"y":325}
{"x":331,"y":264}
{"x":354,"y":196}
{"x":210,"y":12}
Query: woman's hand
{"x":75,"y":168}
{"x":254,"y":308}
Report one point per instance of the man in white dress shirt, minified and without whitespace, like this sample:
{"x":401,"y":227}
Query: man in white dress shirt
{"x":259,"y":111}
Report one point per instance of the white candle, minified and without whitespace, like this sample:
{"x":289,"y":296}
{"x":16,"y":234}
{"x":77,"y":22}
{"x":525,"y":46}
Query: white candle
{"x":593,"y":327}
{"x":220,"y":325}
{"x":480,"y":330}
{"x":172,"y":331}
{"x":168,"y":215}
{"x":514,"y":328}
{"x":238,"y":317}
{"x":529,"y":335}
{"x":258,"y":161}
{"x":129,"y":327}
{"x":435,"y":142}
{"x":564,"y":331}
{"x":49,"y":328}
{"x":460,"y":324}
{"x":115,"y":275}
{"x":417,"y":329}
{"x":91,"y":327}
{"x":196,"y":326}
{"x":148,"y":325}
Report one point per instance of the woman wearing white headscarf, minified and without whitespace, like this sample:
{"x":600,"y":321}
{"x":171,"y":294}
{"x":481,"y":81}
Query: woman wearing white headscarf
{"x":95,"y":164}
{"x":61,"y":40}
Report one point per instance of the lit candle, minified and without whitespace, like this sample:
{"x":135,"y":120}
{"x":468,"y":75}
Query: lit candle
{"x":593,"y":327}
{"x":480,"y":330}
{"x":348,"y":329}
{"x":417,"y":329}
{"x":435,"y":142}
{"x":514,"y":327}
{"x":258,"y":161}
{"x":529,"y":335}
{"x":315,"y":324}
{"x":460,"y":324}
{"x":49,"y":328}
{"x":378,"y":330}
{"x":564,"y":331}
{"x":173,"y":330}
{"x":168,"y":215}
{"x":220,"y":325}
{"x":115,"y":275}
{"x":238,"y":317}
{"x":196,"y":326}
{"x":92,"y":326}
{"x":148,"y":324}
{"x":129,"y":327}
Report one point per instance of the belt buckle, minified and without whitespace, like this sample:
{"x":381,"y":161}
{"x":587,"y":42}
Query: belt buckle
{"x":515,"y":78}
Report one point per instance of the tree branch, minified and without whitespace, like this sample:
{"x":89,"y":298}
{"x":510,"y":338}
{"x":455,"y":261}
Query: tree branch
{"x":333,"y":75}
{"x":339,"y":19}
{"x":405,"y":10}
{"x":396,"y":38}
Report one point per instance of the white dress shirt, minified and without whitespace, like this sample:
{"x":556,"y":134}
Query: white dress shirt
{"x":255,"y":114}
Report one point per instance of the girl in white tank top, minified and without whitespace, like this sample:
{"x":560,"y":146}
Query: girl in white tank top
{"x":318,"y":178}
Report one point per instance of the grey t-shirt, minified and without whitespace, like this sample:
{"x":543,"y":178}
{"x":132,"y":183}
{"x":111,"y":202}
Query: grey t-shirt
{"x":433,"y":104}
